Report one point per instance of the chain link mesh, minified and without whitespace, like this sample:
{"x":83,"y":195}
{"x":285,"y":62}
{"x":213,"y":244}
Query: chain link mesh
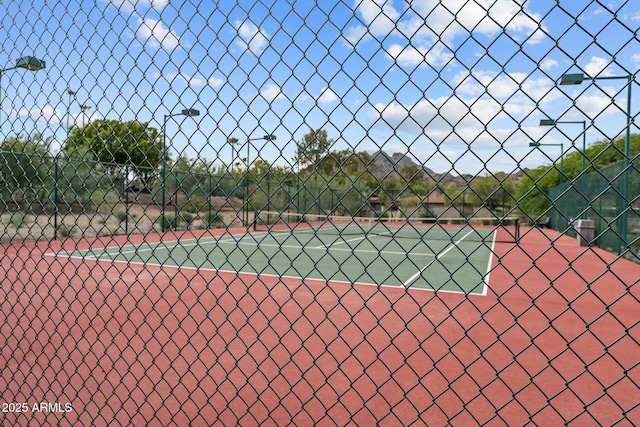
{"x":167,"y":170}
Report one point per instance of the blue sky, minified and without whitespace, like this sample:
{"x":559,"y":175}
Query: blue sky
{"x":464,"y":94}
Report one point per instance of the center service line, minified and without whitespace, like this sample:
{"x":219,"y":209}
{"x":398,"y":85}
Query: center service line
{"x":441,"y":254}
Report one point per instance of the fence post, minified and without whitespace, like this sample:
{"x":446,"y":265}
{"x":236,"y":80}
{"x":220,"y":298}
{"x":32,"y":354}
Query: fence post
{"x":55,"y":197}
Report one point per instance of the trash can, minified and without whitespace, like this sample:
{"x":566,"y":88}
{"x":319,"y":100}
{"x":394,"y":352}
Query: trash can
{"x":585,"y":231}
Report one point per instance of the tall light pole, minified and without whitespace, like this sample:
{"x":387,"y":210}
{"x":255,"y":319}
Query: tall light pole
{"x":578,"y":78}
{"x":28,"y":63}
{"x":305,"y":153}
{"x":84,"y":108}
{"x":190,"y":112}
{"x":550,"y":122}
{"x":268,"y":137}
{"x":72,"y":95}
{"x":232,"y":142}
{"x":537,"y":144}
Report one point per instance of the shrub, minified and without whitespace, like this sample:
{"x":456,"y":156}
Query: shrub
{"x":171,"y":222}
{"x":188,"y":218}
{"x":65,"y":231}
{"x":212,"y":219}
{"x":121,"y":215}
{"x":18,"y":219}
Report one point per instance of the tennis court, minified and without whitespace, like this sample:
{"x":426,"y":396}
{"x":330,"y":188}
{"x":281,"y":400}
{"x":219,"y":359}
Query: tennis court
{"x":452,"y":258}
{"x":137,"y":303}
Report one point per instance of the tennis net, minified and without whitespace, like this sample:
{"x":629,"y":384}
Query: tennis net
{"x":505,"y":229}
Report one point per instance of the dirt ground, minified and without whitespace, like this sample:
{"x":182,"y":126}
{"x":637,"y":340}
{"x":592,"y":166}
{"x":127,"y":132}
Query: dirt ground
{"x":140,"y":219}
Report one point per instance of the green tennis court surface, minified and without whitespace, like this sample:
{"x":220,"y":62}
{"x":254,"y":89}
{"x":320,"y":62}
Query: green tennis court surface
{"x":435,"y":258}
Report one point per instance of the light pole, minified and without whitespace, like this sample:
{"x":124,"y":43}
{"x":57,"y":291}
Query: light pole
{"x":537,"y":144}
{"x":305,"y":153}
{"x":550,"y":122}
{"x":28,"y":63}
{"x":232,"y":142}
{"x":578,"y":78}
{"x":71,"y":94}
{"x":84,"y":108}
{"x":190,"y":112}
{"x":268,"y":137}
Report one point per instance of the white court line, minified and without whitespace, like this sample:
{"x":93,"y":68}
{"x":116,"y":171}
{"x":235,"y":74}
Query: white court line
{"x":441,"y":254}
{"x":486,"y":277}
{"x":339,"y":243}
{"x":151,"y":247}
{"x":330,"y":248}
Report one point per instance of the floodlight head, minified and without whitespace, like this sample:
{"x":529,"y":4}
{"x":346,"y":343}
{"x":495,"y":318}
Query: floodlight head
{"x":547,"y":122}
{"x":30,"y":63}
{"x":572,"y":79}
{"x":190,"y":112}
{"x":534,"y":144}
{"x":270,"y":137}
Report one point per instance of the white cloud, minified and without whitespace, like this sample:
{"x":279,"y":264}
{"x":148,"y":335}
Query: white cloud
{"x":327,"y":96}
{"x":412,"y":56}
{"x":598,"y":105}
{"x":46,"y":114}
{"x":49,"y":114}
{"x":251,"y":37}
{"x":131,"y":5}
{"x":502,"y":86}
{"x":463,"y":118}
{"x":271,"y":92}
{"x":430,"y":20}
{"x":439,"y":117}
{"x":486,"y":17}
{"x":380,"y":17}
{"x":215,"y":82}
{"x":356,"y":34}
{"x":598,"y":67}
{"x":192,"y":81}
{"x":157,"y":34}
{"x":548,"y":64}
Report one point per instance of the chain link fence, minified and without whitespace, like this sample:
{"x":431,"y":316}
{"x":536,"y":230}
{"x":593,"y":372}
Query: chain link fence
{"x":608,"y":198}
{"x":308,"y":213}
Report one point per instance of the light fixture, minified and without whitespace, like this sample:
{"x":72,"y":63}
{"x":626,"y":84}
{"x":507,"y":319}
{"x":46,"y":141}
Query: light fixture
{"x":549,"y":122}
{"x":537,"y":144}
{"x":572,"y":79}
{"x":28,"y":63}
{"x":189,"y":112}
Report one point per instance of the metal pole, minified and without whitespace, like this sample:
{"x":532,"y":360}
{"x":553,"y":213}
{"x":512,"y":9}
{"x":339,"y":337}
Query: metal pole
{"x":247,"y":181}
{"x":625,"y":205}
{"x":190,"y":112}
{"x":561,"y":163}
{"x":163,"y":171}
{"x":55,"y":197}
{"x":584,"y":145}
{"x":126,"y":200}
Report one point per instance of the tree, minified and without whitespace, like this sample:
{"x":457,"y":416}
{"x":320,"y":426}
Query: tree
{"x":532,"y":188}
{"x":25,"y":170}
{"x":495,"y":191}
{"x":414,"y":177}
{"x":347,"y":166}
{"x":119,"y":145}
{"x":312,"y":148}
